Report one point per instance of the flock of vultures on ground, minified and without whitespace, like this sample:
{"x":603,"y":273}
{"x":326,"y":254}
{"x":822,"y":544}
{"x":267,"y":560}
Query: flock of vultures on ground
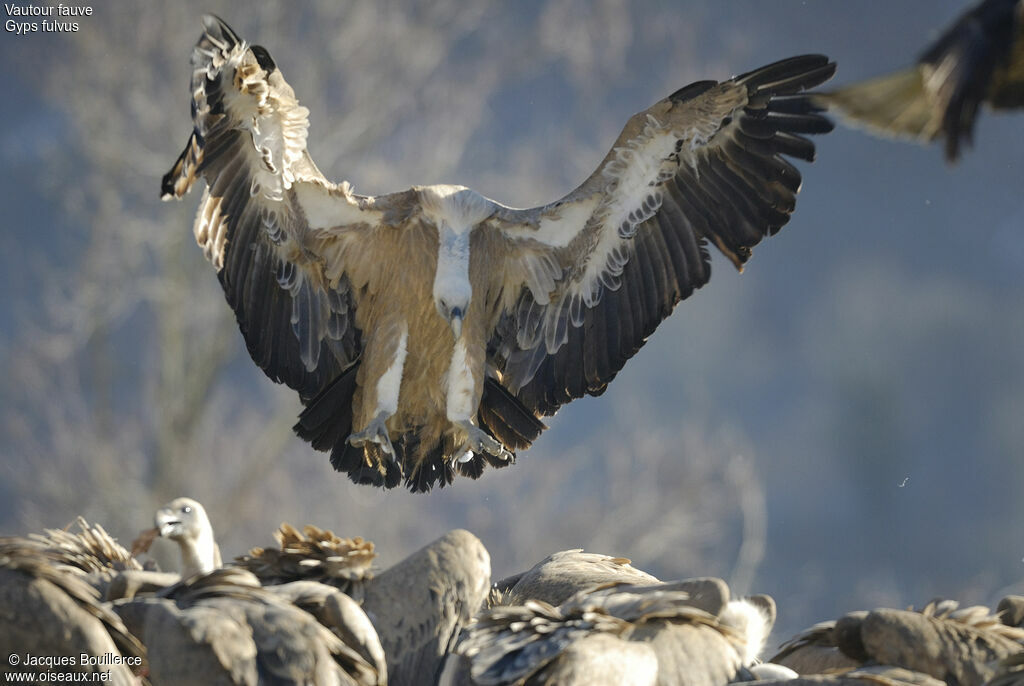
{"x":427,"y":333}
{"x":313,"y":610}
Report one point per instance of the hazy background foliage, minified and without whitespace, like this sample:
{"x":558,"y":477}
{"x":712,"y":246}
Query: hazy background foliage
{"x":842,"y":426}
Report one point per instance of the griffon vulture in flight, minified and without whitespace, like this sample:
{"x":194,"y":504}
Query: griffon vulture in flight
{"x":980,"y":58}
{"x":428,"y":331}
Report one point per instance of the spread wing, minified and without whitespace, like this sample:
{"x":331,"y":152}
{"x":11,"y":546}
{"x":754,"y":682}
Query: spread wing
{"x":590,"y":276}
{"x":980,"y":58}
{"x":268,"y":216}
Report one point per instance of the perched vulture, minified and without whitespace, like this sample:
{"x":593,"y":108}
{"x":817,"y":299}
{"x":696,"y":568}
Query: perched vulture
{"x":1011,"y":611}
{"x":427,"y":331}
{"x":561,"y":575}
{"x":816,"y":651}
{"x":313,"y":554}
{"x":224,"y":625}
{"x":223,"y":628}
{"x":337,"y":611}
{"x":50,"y":607}
{"x":184,"y":521}
{"x":956,"y":645}
{"x":107,"y":566}
{"x":91,"y":551}
{"x":979,"y":59}
{"x":614,"y":634}
{"x":420,"y":605}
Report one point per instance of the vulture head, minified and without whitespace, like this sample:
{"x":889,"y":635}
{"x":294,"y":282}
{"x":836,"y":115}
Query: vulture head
{"x":184,"y":521}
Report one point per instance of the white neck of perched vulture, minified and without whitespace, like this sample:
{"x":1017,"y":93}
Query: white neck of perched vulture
{"x":199,"y":555}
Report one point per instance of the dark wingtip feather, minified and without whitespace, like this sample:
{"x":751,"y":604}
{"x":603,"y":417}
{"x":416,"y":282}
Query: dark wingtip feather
{"x":795,"y":146}
{"x":767,"y":124}
{"x":167,"y":184}
{"x":796,"y":104}
{"x":178,"y":181}
{"x":797,"y":73}
{"x":263,"y":57}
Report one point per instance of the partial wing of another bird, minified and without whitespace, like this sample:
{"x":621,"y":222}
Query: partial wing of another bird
{"x":589,"y":277}
{"x":978,"y":59}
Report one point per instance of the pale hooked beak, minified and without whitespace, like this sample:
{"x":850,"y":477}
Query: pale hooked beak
{"x":455,"y":321}
{"x":166,"y":522}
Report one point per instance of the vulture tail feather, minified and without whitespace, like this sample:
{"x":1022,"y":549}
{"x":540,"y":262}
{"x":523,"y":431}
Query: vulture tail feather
{"x":327,"y":419}
{"x":430,"y":467}
{"x":506,"y":418}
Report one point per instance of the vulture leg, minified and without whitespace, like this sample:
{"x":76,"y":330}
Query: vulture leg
{"x":464,"y":392}
{"x":385,"y":361}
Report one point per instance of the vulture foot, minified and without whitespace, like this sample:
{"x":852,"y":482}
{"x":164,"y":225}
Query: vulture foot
{"x":479,"y":441}
{"x":375,"y":432}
